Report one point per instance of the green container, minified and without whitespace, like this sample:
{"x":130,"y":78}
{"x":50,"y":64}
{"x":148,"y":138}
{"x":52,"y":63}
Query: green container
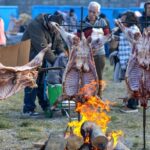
{"x":54,"y":91}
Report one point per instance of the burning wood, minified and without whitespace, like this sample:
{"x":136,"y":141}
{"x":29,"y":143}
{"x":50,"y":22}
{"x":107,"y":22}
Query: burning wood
{"x":13,"y":79}
{"x":93,"y":125}
{"x":94,"y":135}
{"x":94,"y":139}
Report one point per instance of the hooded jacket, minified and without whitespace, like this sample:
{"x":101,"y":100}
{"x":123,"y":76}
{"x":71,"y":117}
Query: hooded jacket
{"x":41,"y":35}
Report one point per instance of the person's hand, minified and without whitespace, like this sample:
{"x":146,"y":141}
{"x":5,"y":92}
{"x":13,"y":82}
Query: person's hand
{"x":66,"y":53}
{"x":89,"y":39}
{"x":76,"y":40}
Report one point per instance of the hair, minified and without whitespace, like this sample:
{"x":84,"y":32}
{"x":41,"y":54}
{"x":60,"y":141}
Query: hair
{"x":71,"y":10}
{"x":102,"y":15}
{"x":56,"y":17}
{"x":146,"y":3}
{"x":131,"y":19}
{"x":94,"y":4}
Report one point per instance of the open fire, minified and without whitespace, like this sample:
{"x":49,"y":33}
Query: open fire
{"x":92,"y":127}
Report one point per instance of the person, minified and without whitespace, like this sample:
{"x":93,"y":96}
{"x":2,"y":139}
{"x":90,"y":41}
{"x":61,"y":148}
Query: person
{"x":90,"y":22}
{"x":24,"y":19}
{"x":145,"y":18}
{"x":41,"y":32}
{"x":71,"y":20}
{"x":102,"y":15}
{"x":124,"y":47}
{"x":20,"y":24}
{"x":124,"y":51}
{"x":56,"y":76}
{"x":2,"y":33}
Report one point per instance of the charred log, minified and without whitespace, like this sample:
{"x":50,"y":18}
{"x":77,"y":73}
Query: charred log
{"x":95,"y":134}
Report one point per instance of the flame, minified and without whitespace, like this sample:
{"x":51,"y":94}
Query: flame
{"x":94,"y":110}
{"x":87,"y":140}
{"x":103,"y":84}
{"x":91,"y":88}
{"x":115,"y":135}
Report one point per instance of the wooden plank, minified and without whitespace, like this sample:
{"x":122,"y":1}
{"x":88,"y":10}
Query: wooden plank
{"x":55,"y":142}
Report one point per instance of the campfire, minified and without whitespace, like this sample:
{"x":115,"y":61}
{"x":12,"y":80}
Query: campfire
{"x":80,"y":85}
{"x":92,"y":128}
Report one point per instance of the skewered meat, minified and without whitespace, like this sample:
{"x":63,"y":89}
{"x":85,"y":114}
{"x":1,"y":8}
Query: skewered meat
{"x":80,"y":69}
{"x":13,"y":79}
{"x":138,"y":70}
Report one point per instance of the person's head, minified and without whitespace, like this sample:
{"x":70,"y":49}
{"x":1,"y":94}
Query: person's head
{"x":56,"y":17}
{"x":129,"y":18}
{"x":147,"y":8}
{"x":102,"y":16}
{"x":93,"y":10}
{"x":24,"y":18}
{"x":71,"y":12}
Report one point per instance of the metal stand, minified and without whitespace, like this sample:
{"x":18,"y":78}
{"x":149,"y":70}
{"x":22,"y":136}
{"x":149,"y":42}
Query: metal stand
{"x":81,"y":29}
{"x":144,"y":108}
{"x":144,"y":127}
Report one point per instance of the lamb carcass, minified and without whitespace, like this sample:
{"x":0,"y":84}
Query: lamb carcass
{"x":13,"y":79}
{"x":138,"y":70}
{"x":80,"y":70}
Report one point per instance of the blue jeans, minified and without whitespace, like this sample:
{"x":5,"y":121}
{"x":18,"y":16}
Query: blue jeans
{"x":31,"y":93}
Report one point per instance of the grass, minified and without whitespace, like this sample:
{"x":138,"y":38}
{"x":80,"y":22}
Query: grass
{"x":5,"y":123}
{"x":21,"y":133}
{"x":25,"y":124}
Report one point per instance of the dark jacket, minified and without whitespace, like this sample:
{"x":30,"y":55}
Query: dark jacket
{"x":40,"y":37}
{"x":144,"y":21}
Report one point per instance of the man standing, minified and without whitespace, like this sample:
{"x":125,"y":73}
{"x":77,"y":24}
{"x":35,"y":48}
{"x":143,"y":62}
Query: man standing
{"x":71,"y":20}
{"x":145,"y":19}
{"x":93,"y":20}
{"x":41,"y":32}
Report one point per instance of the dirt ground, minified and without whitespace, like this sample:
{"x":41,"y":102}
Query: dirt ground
{"x":17,"y":133}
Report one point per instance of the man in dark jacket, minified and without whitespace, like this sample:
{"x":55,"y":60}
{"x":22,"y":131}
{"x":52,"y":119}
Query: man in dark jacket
{"x":41,"y":33}
{"x":145,"y":19}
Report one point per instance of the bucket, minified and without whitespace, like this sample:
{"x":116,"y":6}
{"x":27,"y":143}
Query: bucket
{"x":54,"y":91}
